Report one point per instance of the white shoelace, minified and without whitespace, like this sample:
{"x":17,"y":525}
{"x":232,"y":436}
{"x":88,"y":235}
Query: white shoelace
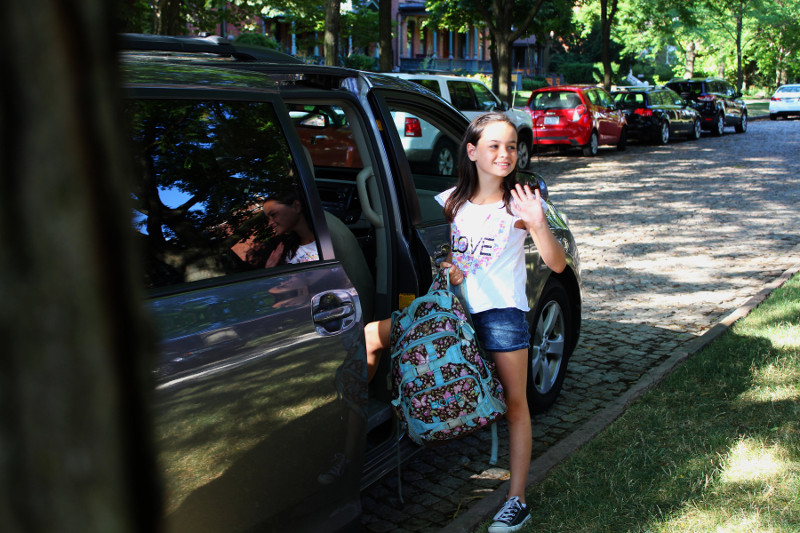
{"x":509,"y":509}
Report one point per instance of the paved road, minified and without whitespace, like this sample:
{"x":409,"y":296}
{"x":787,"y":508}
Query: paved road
{"x":672,"y":239}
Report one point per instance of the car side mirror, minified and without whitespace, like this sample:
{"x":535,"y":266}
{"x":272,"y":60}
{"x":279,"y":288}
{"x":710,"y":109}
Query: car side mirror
{"x":531,"y":178}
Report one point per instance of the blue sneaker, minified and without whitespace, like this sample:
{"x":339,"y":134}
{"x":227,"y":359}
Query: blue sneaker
{"x":511,"y":516}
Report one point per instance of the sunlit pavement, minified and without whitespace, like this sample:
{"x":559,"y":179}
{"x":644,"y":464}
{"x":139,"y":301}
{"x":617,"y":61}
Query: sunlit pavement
{"x":673,"y":239}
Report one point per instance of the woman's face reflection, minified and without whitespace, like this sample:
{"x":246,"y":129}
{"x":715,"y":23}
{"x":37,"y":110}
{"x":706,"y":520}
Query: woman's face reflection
{"x":282,"y":218}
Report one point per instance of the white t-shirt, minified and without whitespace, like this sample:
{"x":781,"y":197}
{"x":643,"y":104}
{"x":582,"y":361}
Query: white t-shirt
{"x":489,"y":250}
{"x":305,"y":253}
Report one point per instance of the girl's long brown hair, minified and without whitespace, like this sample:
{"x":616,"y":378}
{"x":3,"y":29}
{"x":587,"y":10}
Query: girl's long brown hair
{"x":468,"y":171}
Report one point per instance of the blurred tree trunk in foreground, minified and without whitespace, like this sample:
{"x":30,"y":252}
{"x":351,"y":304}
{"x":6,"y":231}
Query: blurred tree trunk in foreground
{"x":74,"y":433}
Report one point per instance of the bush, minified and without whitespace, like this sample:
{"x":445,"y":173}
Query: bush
{"x":257,"y":39}
{"x":575,"y":72}
{"x":531,"y":84}
{"x":361,"y":62}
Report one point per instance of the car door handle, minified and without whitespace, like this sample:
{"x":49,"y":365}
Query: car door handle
{"x":334,"y":312}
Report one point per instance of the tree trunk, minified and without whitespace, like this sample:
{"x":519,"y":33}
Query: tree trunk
{"x":73,"y":431}
{"x":331,"y":43}
{"x":606,"y":21}
{"x":691,"y":56}
{"x":739,"y":73}
{"x":167,"y":18}
{"x":385,"y":31}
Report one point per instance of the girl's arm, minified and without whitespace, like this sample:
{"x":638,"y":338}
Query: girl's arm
{"x":528,"y":206}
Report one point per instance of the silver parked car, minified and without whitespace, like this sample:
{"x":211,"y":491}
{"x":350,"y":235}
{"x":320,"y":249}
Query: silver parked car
{"x":277,"y":214}
{"x":472,"y":97}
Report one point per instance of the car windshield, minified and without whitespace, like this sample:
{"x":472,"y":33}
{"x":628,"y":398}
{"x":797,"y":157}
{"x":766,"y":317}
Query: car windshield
{"x":630,"y":99}
{"x":789,"y":89}
{"x":555,"y":100}
{"x":687,"y":87}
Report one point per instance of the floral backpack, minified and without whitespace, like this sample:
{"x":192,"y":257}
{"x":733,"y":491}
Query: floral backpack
{"x":443,"y":387}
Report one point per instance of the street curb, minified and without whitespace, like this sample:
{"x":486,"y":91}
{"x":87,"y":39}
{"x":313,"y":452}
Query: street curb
{"x":542,"y":465}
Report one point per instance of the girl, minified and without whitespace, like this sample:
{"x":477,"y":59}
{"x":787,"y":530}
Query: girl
{"x":490,"y":216}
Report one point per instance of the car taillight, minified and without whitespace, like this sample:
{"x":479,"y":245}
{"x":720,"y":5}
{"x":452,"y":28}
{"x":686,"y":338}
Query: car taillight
{"x":413,"y":127}
{"x":644,"y":112}
{"x":775,"y":99}
{"x":578,"y":113}
{"x":705,"y":98}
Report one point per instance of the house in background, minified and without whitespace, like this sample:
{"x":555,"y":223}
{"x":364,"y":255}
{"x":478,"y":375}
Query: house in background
{"x":415,"y":46}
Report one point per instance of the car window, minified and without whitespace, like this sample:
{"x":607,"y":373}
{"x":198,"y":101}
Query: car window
{"x":687,"y":87}
{"x":556,"y":100}
{"x":659,"y":98}
{"x":431,"y":85}
{"x":788,"y":89}
{"x":206,"y":169}
{"x":431,"y":149}
{"x":487,"y":101}
{"x":673,"y":97}
{"x":593,"y":97}
{"x":461,"y":96}
{"x":326,"y":133}
{"x":605,"y":99}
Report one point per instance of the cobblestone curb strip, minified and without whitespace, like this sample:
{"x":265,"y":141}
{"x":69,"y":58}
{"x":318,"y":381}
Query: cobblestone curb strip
{"x":542,"y":465}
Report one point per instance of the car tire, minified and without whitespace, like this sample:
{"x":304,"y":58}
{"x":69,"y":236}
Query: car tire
{"x":523,"y":154}
{"x":719,"y":125}
{"x":590,"y":148}
{"x":773,"y":116}
{"x":622,"y":143}
{"x":663,"y":133}
{"x":444,"y":158}
{"x":741,"y":127}
{"x":553,"y":337}
{"x":697,"y":130}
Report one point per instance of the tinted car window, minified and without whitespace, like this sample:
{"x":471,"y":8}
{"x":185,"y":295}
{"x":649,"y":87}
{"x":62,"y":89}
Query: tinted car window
{"x":486,"y":100}
{"x":461,"y":96}
{"x":594,"y":98}
{"x":205,"y":169}
{"x":431,"y":85}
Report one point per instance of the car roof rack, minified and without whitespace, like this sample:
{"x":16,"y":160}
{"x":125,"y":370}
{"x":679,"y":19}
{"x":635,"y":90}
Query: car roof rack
{"x":214,"y":44}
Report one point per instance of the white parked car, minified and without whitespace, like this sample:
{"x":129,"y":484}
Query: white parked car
{"x":472,"y":97}
{"x":785,"y":101}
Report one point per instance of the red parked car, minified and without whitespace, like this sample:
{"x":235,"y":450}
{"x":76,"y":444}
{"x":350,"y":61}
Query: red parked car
{"x":577,"y":115}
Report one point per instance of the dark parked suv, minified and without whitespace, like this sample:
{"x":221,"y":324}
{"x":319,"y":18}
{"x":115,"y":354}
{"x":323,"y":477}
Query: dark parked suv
{"x":657,"y":114}
{"x":718,"y":102}
{"x":276,"y":214}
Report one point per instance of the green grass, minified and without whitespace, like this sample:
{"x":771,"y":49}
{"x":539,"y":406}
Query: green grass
{"x":714,"y":448}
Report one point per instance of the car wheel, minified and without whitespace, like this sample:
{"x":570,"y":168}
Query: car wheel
{"x":523,"y":154}
{"x":663,"y":137}
{"x":741,"y":127}
{"x":773,"y":116}
{"x":552,"y":340}
{"x":623,"y":140}
{"x":590,"y":148}
{"x":719,"y":125}
{"x":444,"y":159}
{"x":696,"y":130}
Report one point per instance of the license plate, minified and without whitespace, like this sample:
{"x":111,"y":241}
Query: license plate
{"x":549,"y":121}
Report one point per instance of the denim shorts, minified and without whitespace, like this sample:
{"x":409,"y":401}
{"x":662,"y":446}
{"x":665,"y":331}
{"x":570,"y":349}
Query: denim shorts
{"x":502,"y":330}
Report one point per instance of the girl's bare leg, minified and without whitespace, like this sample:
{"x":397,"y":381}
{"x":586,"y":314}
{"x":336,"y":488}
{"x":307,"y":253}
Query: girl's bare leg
{"x":376,"y":335}
{"x":512,"y":368}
